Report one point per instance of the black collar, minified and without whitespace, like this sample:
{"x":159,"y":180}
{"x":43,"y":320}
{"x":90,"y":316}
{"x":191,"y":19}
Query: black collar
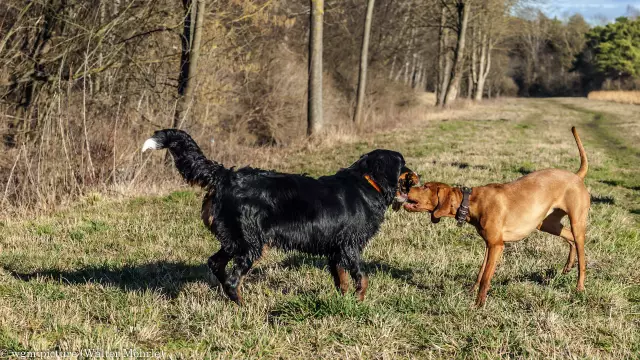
{"x":463,"y":210}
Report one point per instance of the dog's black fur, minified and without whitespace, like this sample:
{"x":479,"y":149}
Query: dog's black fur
{"x":249,"y":208}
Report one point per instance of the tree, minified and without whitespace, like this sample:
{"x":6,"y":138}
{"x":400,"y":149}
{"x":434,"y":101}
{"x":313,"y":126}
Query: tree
{"x":364,"y":59}
{"x":532,"y":34}
{"x":564,"y":41}
{"x":463,"y":10}
{"x":611,"y":52}
{"x":485,"y":32}
{"x":488,"y":29}
{"x":572,"y":39}
{"x":191,"y":39}
{"x":480,"y":60}
{"x":617,"y":48}
{"x":444,"y":57}
{"x":314,"y":111}
{"x":633,"y":13}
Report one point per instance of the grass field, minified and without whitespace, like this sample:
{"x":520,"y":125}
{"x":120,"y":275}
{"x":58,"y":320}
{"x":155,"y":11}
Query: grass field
{"x":130,"y":274}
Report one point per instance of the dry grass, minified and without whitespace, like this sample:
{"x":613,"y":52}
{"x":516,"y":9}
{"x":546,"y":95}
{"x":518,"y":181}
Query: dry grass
{"x":53,"y":167}
{"x":65,"y":137}
{"x":130,"y":273}
{"x":623,"y":97}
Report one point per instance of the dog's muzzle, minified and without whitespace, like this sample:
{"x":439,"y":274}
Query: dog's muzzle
{"x":408,"y":178}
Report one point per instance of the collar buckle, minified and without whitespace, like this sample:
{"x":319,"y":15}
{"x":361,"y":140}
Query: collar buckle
{"x":463,"y":210}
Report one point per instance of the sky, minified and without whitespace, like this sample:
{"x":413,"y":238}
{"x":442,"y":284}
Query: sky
{"x":592,"y":10}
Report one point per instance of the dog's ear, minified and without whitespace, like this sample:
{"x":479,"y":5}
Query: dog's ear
{"x":443,"y":208}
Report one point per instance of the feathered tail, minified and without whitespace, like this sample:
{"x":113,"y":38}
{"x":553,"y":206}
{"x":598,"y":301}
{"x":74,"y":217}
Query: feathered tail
{"x":584,"y":165}
{"x":194,"y":167}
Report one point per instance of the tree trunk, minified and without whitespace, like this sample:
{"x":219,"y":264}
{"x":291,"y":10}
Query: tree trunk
{"x":402,"y":69}
{"x":103,"y":18}
{"x":393,"y":66}
{"x":407,"y":66}
{"x":446,"y":77}
{"x":424,"y":78}
{"x":475,"y":30}
{"x":469,"y":86}
{"x":406,"y":72}
{"x":314,"y":110}
{"x":484,"y":66}
{"x":444,"y":60}
{"x":458,"y":62}
{"x":412,"y":73}
{"x":191,"y":39}
{"x":419,"y":73}
{"x":364,"y":60}
{"x":25,"y":94}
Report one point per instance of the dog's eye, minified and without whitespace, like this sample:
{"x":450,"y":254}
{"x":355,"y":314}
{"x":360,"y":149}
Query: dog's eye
{"x":405,"y":183}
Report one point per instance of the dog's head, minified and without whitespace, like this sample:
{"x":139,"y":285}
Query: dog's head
{"x":387,"y":170}
{"x":406,"y":181}
{"x":435,"y":197}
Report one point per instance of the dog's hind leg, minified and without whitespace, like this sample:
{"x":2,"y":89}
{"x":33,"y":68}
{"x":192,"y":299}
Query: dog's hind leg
{"x":217,"y":264}
{"x":578,"y":228}
{"x":552,"y":225}
{"x":340,"y":276}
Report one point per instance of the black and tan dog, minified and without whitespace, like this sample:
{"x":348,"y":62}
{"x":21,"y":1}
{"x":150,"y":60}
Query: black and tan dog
{"x":249,"y":208}
{"x":509,"y":212}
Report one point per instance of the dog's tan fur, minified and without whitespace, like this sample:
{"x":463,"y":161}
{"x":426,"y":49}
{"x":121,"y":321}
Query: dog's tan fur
{"x":509,"y":212}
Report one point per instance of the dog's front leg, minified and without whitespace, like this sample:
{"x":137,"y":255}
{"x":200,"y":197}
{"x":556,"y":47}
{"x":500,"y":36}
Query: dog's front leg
{"x":360,"y":279}
{"x":484,"y":264}
{"x":362,"y":283}
{"x":493,"y":255}
{"x":242,"y":265}
{"x":217,"y":264}
{"x":340,"y":276}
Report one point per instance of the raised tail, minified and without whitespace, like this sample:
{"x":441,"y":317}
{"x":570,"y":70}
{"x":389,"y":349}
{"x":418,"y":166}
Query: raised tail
{"x":584,"y":165}
{"x":194,"y":167}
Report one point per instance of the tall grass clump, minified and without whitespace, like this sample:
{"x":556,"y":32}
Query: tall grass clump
{"x":623,"y":97}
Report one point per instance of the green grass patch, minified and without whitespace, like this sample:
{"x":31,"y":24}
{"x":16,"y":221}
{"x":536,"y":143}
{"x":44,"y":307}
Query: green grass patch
{"x":309,"y":306}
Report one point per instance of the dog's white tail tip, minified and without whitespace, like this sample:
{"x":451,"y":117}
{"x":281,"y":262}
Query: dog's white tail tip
{"x":150,"y":144}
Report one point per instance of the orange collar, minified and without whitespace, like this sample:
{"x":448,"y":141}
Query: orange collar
{"x":372,"y":182}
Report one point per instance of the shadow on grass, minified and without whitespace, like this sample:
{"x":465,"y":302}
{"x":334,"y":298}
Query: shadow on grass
{"x":167,"y":278}
{"x":543,"y":277}
{"x":597,"y":199}
{"x":524,"y":171}
{"x":611,"y":182}
{"x":464,"y":165}
{"x":298,"y":260}
{"x":620,"y":184}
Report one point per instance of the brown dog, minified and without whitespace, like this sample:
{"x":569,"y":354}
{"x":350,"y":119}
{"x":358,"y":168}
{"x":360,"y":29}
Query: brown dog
{"x":509,"y":212}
